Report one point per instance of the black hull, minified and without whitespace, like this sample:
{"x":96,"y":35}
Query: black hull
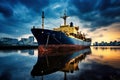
{"x":51,"y":37}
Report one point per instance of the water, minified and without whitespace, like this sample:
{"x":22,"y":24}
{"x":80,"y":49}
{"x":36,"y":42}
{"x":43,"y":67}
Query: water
{"x":95,"y":63}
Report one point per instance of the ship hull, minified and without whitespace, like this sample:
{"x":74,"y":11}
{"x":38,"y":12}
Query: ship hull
{"x":52,"y":38}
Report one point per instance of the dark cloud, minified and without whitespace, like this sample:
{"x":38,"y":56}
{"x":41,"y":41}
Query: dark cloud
{"x":83,"y":6}
{"x":36,"y":5}
{"x":111,"y":12}
{"x":97,"y":12}
{"x":6,"y":10}
{"x":7,"y":6}
{"x":19,"y":14}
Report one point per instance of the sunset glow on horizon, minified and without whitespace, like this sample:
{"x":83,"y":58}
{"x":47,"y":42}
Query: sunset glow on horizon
{"x":107,"y":34}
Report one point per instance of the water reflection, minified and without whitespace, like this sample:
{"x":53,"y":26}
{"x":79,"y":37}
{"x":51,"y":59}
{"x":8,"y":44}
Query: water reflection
{"x":58,"y":61}
{"x":15,"y":65}
{"x":30,"y":52}
{"x":107,"y":47}
{"x":87,"y":64}
{"x":106,"y":55}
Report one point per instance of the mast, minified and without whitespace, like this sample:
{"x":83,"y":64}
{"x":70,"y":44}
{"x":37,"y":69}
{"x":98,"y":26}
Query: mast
{"x":64,"y":17}
{"x":43,"y":19}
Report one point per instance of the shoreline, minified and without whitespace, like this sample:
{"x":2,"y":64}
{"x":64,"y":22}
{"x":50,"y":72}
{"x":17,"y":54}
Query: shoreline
{"x":18,"y":47}
{"x":13,"y":47}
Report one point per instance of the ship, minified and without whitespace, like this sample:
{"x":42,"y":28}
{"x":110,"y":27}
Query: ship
{"x":65,"y":36}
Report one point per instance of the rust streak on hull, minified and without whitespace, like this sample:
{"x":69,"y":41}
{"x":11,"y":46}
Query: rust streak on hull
{"x":63,"y":47}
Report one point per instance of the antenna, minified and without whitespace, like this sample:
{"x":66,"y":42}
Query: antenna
{"x":64,"y":17}
{"x":43,"y":19}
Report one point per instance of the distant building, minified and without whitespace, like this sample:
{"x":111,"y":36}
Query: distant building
{"x":27,"y":41}
{"x":24,"y":41}
{"x":8,"y":41}
{"x":102,"y":43}
{"x":31,"y":39}
{"x":95,"y":44}
{"x":111,"y":43}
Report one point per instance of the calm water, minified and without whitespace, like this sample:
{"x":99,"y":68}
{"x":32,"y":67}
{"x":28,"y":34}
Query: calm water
{"x":95,"y":63}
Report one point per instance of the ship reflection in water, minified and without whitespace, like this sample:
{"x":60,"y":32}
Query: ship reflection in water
{"x":95,"y":63}
{"x":58,"y":61}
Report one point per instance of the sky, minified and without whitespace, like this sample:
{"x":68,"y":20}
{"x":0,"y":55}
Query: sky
{"x":98,"y":19}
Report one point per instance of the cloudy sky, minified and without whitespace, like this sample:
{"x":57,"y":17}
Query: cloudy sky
{"x":99,"y":19}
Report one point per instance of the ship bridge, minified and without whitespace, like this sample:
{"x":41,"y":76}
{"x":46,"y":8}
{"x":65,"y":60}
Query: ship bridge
{"x":67,"y":29}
